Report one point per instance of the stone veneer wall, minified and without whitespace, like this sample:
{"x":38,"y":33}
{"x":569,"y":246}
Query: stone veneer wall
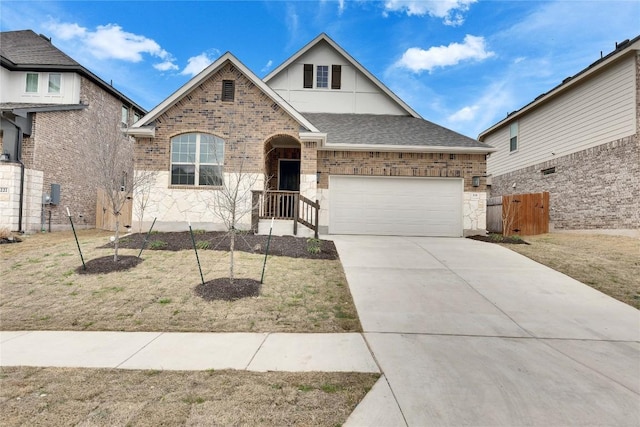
{"x":10,"y":198}
{"x":57,"y":145}
{"x":594,"y":188}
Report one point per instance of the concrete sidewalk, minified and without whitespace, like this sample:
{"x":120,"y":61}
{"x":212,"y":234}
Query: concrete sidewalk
{"x":470,"y":333}
{"x":188,"y":351}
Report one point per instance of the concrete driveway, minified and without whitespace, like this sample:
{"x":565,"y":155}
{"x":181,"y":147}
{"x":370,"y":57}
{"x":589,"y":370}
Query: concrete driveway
{"x":470,"y":333}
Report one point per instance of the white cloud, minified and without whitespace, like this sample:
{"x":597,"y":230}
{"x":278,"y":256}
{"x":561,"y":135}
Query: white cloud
{"x":417,"y":59}
{"x":112,"y":42}
{"x":67,"y":31}
{"x":465,"y":114}
{"x":195,"y":64}
{"x":165,"y":66}
{"x":267,"y":66}
{"x":451,"y":11}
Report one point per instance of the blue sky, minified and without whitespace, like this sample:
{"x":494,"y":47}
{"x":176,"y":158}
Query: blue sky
{"x":463,"y":64}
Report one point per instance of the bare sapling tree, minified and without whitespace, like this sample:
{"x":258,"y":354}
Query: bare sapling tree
{"x":232,"y":202}
{"x":110,"y":167}
{"x":508,"y":214}
{"x":142,"y":194}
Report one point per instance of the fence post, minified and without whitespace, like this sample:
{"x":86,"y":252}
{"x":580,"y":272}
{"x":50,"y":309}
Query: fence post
{"x":317,"y":220}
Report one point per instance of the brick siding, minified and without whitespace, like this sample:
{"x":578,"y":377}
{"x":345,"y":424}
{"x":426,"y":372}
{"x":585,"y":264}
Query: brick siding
{"x":57,"y":144}
{"x":594,"y":188}
{"x":245,"y":124}
{"x":368,"y":163}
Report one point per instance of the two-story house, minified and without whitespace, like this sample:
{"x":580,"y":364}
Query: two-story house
{"x":319,"y":126}
{"x":49,"y":105}
{"x":578,"y":141}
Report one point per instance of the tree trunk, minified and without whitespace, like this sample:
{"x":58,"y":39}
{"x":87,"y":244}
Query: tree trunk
{"x":232,"y":248}
{"x":117,"y":237}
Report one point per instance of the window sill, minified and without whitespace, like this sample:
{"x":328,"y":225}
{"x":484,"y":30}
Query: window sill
{"x":195,"y":187}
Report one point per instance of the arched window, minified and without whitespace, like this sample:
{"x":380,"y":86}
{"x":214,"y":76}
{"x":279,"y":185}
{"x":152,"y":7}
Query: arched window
{"x":197,"y":159}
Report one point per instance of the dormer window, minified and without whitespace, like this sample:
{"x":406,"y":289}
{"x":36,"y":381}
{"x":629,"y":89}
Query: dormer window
{"x":322,"y":77}
{"x":32,"y":83}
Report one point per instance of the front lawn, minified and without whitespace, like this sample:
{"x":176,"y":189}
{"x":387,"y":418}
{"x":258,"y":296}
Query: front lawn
{"x":42,"y":290}
{"x":610,"y":264}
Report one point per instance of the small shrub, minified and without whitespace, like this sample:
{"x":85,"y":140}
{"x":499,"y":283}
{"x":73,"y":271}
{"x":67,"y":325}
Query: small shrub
{"x":203,"y":244}
{"x":164,"y":301}
{"x":5,"y":233}
{"x":198,"y":231}
{"x":158,"y":244}
{"x":314,"y":246}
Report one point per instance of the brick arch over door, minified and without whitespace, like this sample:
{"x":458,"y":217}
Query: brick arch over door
{"x":279,"y":149}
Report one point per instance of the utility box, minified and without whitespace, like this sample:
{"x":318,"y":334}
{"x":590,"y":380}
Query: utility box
{"x":55,"y":194}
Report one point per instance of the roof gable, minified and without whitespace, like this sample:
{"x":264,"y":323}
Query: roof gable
{"x":141,"y":127}
{"x":622,"y":50}
{"x":324,"y":39}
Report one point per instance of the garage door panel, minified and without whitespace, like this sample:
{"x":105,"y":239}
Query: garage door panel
{"x":395,"y":206}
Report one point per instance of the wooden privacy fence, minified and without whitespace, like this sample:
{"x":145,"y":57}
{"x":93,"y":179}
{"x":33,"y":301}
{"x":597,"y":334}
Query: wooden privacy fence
{"x":105,"y":220}
{"x":521,"y":214}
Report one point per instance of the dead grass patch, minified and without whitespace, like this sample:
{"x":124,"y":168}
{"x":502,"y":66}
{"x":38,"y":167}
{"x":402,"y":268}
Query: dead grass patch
{"x":107,"y":397}
{"x":41,"y":290}
{"x":610,"y":264}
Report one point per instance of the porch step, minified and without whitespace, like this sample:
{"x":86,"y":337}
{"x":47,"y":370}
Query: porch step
{"x":283,"y":227}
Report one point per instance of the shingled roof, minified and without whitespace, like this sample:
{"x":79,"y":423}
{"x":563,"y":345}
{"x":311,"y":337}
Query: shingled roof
{"x":390,"y":130}
{"x":28,"y":48}
{"x":25,"y":50}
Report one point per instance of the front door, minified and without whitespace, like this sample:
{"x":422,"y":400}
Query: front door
{"x":289,"y":175}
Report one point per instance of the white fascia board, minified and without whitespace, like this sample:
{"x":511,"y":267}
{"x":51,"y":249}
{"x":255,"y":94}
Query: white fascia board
{"x":353,"y":61}
{"x":145,"y":131}
{"x":205,"y":74}
{"x":560,"y":89}
{"x":313,"y":136}
{"x":407,"y":148}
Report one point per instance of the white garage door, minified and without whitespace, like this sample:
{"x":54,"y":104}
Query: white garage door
{"x":395,"y":206}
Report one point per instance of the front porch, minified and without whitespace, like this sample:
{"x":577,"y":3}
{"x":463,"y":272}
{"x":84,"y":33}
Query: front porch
{"x":293,"y":212}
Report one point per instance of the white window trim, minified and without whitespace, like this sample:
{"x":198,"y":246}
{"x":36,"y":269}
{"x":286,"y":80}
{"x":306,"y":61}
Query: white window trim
{"x":26,"y":79}
{"x":328,"y":86}
{"x":196,"y":163}
{"x":59,"y":92}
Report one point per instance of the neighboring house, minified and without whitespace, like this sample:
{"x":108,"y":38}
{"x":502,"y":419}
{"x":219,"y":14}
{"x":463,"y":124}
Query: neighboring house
{"x":579,"y":142}
{"x":321,"y":126}
{"x":49,"y":104}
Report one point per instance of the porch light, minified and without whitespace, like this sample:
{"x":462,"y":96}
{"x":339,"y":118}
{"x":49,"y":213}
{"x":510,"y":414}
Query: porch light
{"x":318,"y":178}
{"x":475,"y":181}
{"x":4,"y":157}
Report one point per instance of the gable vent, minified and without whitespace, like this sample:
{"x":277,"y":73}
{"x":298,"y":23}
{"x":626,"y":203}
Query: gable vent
{"x":228,"y":90}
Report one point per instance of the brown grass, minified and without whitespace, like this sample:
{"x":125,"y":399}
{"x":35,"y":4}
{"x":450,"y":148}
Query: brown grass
{"x":40,"y":290}
{"x":610,"y":264}
{"x":104,"y":397}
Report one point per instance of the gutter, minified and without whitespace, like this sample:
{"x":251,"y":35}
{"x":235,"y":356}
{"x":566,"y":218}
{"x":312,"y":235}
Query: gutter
{"x":407,"y":148}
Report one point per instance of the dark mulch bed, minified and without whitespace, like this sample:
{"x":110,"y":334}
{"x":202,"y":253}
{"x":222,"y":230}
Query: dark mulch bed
{"x":289,"y":246}
{"x":105,"y":264}
{"x":222,"y":289}
{"x":499,"y":238}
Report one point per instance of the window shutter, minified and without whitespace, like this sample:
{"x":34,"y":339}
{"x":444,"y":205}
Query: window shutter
{"x":336,"y":76}
{"x":308,"y":76}
{"x":228,"y":90}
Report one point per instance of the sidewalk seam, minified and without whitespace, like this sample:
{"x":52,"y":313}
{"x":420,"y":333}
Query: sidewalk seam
{"x":267,"y":334}
{"x":139,"y":350}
